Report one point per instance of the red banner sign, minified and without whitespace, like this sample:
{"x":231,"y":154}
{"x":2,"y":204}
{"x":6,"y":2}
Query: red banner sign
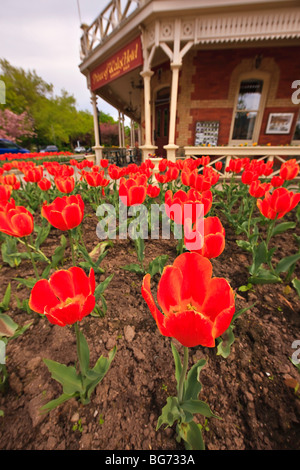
{"x":120,"y":63}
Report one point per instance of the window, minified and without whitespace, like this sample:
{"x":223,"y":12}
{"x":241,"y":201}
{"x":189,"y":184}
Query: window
{"x":247,"y":108}
{"x":297,"y":130}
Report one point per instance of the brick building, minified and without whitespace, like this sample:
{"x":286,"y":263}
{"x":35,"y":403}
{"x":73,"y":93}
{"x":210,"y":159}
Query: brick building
{"x":198,"y":73}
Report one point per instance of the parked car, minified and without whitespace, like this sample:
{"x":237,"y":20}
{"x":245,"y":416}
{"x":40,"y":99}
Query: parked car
{"x":7,"y":146}
{"x":49,"y":148}
{"x":79,"y":149}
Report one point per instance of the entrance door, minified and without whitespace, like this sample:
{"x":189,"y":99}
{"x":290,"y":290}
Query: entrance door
{"x":162,"y":111}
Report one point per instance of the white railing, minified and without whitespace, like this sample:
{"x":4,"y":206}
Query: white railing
{"x":277,"y":154}
{"x":108,"y":21}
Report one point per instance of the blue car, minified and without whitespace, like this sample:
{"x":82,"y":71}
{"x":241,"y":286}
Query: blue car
{"x":6,"y":146}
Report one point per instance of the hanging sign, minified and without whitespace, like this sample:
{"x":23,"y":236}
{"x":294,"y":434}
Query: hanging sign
{"x":127,"y":59}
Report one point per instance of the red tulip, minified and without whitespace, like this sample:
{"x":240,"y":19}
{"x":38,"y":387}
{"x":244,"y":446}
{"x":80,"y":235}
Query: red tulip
{"x":11,"y":179}
{"x":104,"y":163}
{"x":96,"y":179}
{"x":277,"y":181}
{"x":171,"y":174}
{"x":114,"y":172}
{"x":67,"y":297}
{"x":34,"y":175}
{"x":179,"y":205}
{"x":133,"y":191}
{"x":163,"y":165}
{"x":44,"y":184}
{"x":234,"y":166}
{"x":65,"y":184}
{"x":248,"y":176}
{"x":289,"y":170}
{"x":153,"y":191}
{"x":278,"y":203}
{"x":196,"y":307}
{"x":5,"y":192}
{"x":64,"y":212}
{"x":16,"y":221}
{"x":211,"y":241}
{"x":161,"y":178}
{"x":258,"y":189}
{"x":218,"y":166}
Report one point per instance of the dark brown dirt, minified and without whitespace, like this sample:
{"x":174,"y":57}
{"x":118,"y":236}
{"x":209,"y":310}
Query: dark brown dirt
{"x":250,"y":390}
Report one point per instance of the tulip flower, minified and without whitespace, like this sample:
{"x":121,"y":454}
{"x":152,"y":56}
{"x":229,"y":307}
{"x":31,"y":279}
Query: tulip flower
{"x":114,"y":172}
{"x":161,"y":178}
{"x":218,"y":166}
{"x":34,"y":175}
{"x":104,"y":163}
{"x":277,"y":181}
{"x":175,"y":204}
{"x":258,"y":189}
{"x":234,"y":166}
{"x":278,"y":203}
{"x":163,"y":165}
{"x":153,"y":191}
{"x":289,"y":170}
{"x":248,"y":176}
{"x":96,"y":179}
{"x":65,"y":184}
{"x":211,"y":242}
{"x":67,"y":297}
{"x":133,"y":191}
{"x":11,"y":179}
{"x":5,"y":192}
{"x":16,"y":221}
{"x":196,"y":308}
{"x":64,"y":213}
{"x":44,"y":184}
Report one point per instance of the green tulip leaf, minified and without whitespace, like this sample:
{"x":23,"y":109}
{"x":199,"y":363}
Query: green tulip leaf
{"x":66,"y":376}
{"x":199,"y":407}
{"x":285,"y":263}
{"x":191,"y":435}
{"x":281,"y":228}
{"x":296,"y":284}
{"x":192,"y":384}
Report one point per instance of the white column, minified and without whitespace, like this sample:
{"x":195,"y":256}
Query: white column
{"x":171,"y":147}
{"x":97,"y":148}
{"x":123,"y":131}
{"x":147,"y":147}
{"x":120,"y":131}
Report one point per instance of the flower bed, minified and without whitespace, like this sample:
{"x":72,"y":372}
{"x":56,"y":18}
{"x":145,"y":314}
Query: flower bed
{"x":247,"y":376}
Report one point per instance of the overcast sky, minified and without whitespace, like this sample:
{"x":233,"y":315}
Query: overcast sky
{"x":44,"y":35}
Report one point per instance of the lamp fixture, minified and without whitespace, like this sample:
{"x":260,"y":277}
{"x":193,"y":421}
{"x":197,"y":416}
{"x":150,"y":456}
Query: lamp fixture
{"x":139,"y":85}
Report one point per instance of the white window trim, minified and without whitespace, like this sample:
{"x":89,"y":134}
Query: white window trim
{"x":296,"y":142}
{"x":259,"y":75}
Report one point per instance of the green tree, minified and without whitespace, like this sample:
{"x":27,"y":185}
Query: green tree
{"x":55,"y":119}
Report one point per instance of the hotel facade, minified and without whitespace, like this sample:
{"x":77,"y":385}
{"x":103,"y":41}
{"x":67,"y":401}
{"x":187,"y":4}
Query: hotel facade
{"x":198,"y":77}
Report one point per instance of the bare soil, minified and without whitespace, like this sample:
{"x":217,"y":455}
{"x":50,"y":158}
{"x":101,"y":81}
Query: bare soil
{"x":252,"y":391}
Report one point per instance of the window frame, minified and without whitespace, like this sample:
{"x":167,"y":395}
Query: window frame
{"x":296,"y":141}
{"x":253,"y":75}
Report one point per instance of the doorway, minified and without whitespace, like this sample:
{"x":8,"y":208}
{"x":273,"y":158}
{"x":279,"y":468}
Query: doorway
{"x":162,"y":113}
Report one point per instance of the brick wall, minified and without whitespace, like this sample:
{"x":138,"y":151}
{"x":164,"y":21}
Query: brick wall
{"x":209,"y":82}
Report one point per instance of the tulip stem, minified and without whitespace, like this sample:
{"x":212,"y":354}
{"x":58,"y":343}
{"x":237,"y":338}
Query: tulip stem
{"x":32,"y":260}
{"x":183,"y":373}
{"x":78,"y":349}
{"x":30,"y":245}
{"x":250,"y":216}
{"x":72,"y":247}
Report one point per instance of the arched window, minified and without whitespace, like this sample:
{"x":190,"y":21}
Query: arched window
{"x":248,"y":109}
